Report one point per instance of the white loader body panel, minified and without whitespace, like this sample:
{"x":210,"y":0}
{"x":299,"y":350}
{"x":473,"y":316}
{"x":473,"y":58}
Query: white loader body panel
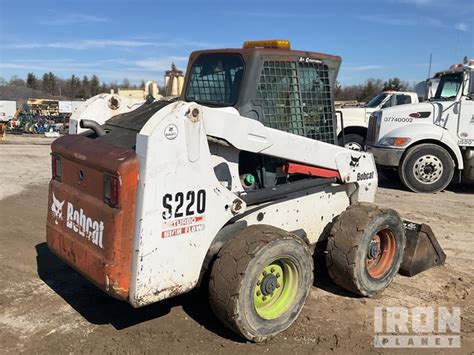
{"x":177,"y":176}
{"x":100,"y":108}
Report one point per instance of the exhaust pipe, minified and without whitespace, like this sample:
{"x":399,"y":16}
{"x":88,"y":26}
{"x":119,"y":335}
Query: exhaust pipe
{"x":92,"y":125}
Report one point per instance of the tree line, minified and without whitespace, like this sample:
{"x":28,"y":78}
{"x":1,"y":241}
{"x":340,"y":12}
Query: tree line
{"x":50,"y":85}
{"x":370,"y":88}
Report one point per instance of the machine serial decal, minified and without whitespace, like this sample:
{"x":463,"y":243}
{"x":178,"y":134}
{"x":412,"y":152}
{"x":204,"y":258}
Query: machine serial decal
{"x":183,"y":226}
{"x":365,"y":176}
{"x":79,"y":222}
{"x":183,"y":204}
{"x":398,"y":119}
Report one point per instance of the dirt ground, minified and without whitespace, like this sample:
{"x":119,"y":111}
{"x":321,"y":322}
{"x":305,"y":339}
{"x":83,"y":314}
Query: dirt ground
{"x":46,"y":307}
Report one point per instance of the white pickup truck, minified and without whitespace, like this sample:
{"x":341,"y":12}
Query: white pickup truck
{"x":356,"y":119}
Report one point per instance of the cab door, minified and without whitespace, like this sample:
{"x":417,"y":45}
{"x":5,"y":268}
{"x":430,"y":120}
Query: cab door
{"x":466,"y":112}
{"x":466,"y":122}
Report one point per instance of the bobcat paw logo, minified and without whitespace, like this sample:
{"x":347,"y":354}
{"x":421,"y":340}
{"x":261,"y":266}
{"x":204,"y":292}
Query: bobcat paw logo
{"x":57,"y":209}
{"x":354,"y":161}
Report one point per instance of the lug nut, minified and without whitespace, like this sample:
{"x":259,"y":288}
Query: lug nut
{"x":278,"y":285}
{"x":264,"y":298}
{"x":277,"y":274}
{"x":272,"y":270}
{"x":264,"y":273}
{"x":258,"y":293}
{"x":258,"y":283}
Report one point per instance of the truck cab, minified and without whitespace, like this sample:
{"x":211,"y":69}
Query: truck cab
{"x":427,"y":143}
{"x":355,"y":119}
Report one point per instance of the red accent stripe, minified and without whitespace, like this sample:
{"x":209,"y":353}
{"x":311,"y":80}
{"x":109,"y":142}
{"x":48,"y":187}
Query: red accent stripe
{"x":294,"y":168}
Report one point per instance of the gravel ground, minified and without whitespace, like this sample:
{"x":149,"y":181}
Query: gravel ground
{"x":46,"y":307}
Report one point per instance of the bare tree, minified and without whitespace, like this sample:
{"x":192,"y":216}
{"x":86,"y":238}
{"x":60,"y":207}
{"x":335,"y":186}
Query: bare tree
{"x":125,"y":83}
{"x":31,"y":81}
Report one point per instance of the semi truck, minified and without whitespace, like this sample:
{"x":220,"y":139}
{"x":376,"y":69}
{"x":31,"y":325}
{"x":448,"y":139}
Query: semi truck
{"x":430,"y":143}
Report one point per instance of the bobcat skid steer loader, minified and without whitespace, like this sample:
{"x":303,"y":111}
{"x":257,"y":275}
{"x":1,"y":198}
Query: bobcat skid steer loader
{"x":238,"y":179}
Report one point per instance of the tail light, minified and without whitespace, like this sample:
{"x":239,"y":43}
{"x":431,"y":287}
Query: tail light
{"x":56,"y":167}
{"x":111,"y":190}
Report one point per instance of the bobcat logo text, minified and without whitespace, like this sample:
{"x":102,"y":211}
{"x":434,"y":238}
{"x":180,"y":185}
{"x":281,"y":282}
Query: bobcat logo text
{"x":78,"y":222}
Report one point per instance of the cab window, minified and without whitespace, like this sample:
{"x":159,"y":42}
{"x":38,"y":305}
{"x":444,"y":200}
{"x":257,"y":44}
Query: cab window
{"x":387,"y":104}
{"x":448,"y":87}
{"x":402,"y":99}
{"x":215,"y":79}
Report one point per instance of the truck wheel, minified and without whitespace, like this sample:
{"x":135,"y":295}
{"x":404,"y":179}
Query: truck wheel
{"x":365,"y":248}
{"x":427,"y":168}
{"x":260,"y":281}
{"x":354,"y":141}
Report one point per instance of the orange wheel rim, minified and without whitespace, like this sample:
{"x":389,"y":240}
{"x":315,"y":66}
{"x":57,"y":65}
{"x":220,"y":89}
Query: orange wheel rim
{"x":380,"y":253}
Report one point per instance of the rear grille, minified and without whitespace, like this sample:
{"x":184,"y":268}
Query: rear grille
{"x":372,"y":130}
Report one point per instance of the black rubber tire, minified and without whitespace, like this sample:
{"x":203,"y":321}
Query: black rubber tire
{"x":348,"y":244}
{"x":409,"y":160}
{"x":354,"y":138}
{"x":235,"y":270}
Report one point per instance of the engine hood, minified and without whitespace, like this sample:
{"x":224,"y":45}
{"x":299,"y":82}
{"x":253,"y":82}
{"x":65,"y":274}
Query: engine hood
{"x":424,"y":111}
{"x":354,"y":111}
{"x":356,"y":116}
{"x":416,"y":121}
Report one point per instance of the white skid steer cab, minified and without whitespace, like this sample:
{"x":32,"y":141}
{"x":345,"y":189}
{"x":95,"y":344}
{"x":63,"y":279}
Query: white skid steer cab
{"x":430,"y":143}
{"x":231,"y":185}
